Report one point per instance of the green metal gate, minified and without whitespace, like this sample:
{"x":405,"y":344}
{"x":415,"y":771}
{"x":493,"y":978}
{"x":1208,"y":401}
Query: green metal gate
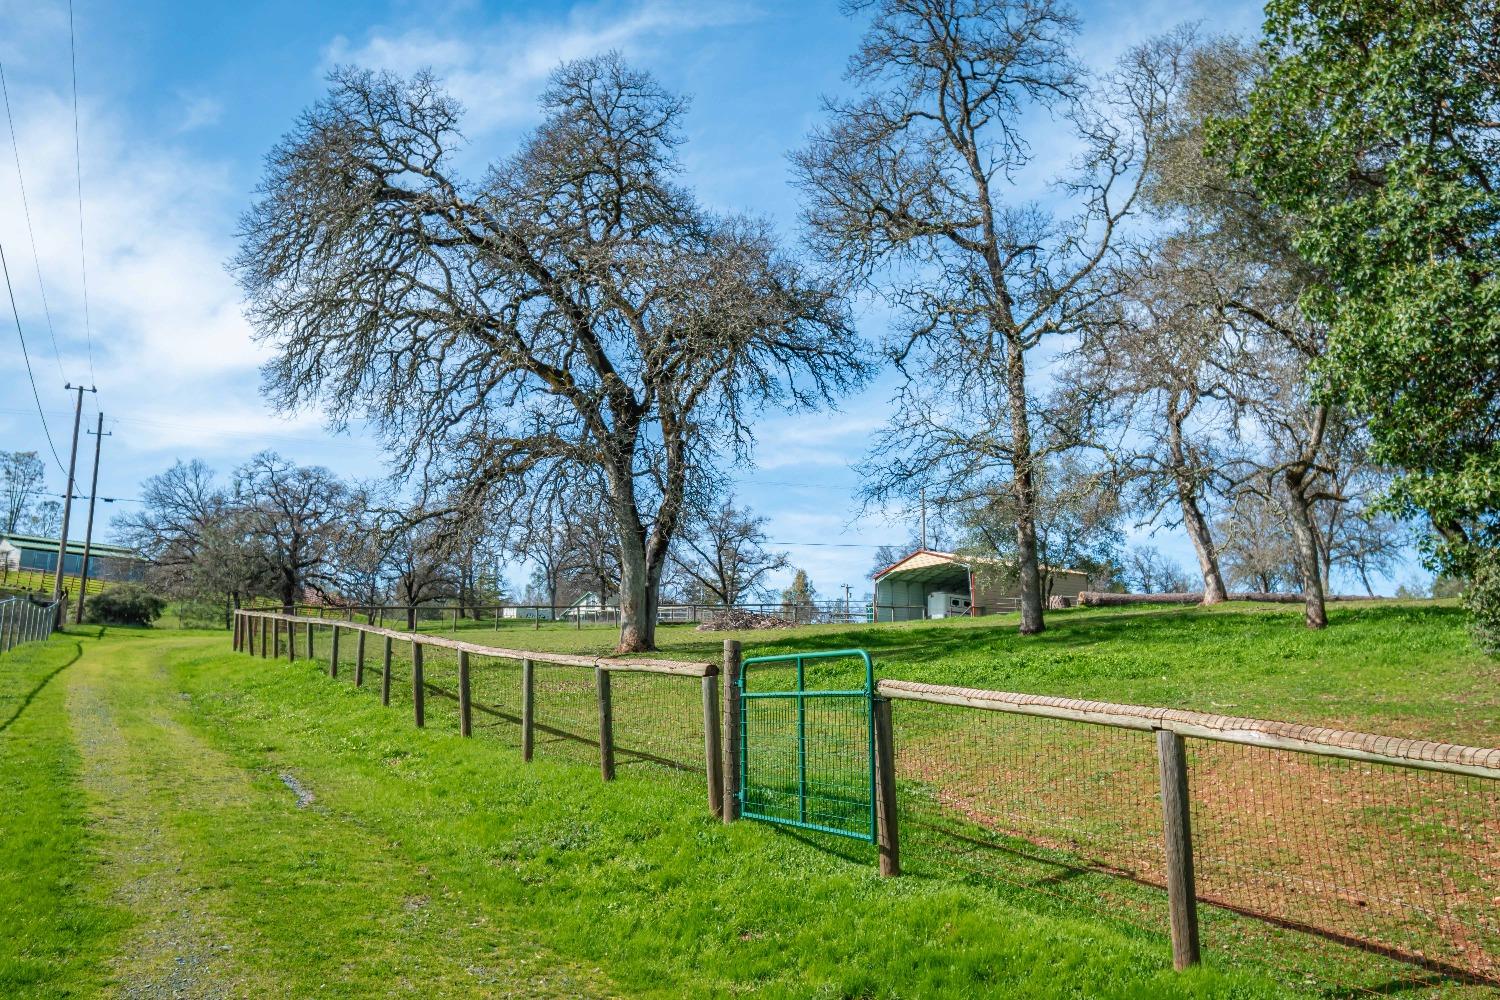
{"x":807,"y":757}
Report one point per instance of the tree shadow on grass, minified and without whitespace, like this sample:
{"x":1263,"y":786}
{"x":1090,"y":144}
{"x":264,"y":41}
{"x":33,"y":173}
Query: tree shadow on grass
{"x":40,"y":685}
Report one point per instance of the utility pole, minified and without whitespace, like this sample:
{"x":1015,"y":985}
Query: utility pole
{"x":88,"y":534}
{"x":62,"y":543}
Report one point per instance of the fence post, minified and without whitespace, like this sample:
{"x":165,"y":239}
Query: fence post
{"x":418,"y":687}
{"x":310,"y":654}
{"x":1177,"y":835}
{"x":333,"y":653}
{"x":465,"y":721}
{"x":606,"y":726}
{"x":265,"y":631}
{"x":234,"y":635}
{"x":713,"y":751}
{"x":528,"y":707}
{"x":291,"y":641}
{"x":359,"y":659}
{"x":385,"y":674}
{"x":732,"y":734}
{"x":886,"y":835}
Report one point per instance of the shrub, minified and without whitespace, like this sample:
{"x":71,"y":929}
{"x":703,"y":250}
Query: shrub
{"x":123,"y":604}
{"x":1482,"y":598}
{"x":197,"y":613}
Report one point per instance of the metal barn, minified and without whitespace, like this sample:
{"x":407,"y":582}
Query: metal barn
{"x":929,"y":584}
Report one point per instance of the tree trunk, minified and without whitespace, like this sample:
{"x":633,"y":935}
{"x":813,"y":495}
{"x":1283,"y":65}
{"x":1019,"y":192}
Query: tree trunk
{"x":1023,"y":485}
{"x":1203,"y":544}
{"x":637,"y":624}
{"x":1304,"y":535}
{"x":637,"y":608}
{"x":1192,"y":515}
{"x":288,"y":593}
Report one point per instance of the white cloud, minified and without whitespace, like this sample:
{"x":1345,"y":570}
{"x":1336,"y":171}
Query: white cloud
{"x":199,"y":111}
{"x":497,"y":71}
{"x":172,"y":353}
{"x":828,"y":439}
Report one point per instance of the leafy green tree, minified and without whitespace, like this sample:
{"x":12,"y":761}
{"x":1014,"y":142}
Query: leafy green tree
{"x":799,"y":598}
{"x":1377,"y":126}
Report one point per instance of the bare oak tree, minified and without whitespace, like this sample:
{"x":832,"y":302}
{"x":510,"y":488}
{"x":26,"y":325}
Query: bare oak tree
{"x":293,"y":516}
{"x":917,"y":190}
{"x":22,"y":474}
{"x":723,"y":553}
{"x":1150,"y":365}
{"x":572,"y":311}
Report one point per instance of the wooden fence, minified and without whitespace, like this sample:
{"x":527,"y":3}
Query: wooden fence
{"x":270,"y":634}
{"x":1389,"y":845}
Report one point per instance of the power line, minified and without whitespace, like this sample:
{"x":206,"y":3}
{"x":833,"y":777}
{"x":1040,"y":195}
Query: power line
{"x":83,"y":259}
{"x":15,"y":145}
{"x":4,"y":267}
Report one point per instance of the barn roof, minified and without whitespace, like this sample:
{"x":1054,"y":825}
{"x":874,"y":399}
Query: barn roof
{"x":929,"y":564}
{"x":74,"y":547}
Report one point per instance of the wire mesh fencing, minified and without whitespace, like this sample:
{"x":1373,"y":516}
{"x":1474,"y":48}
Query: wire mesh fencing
{"x":649,"y":713}
{"x":1371,"y":874}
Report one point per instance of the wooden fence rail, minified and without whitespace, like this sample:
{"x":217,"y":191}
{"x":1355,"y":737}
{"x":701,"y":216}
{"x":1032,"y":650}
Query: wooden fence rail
{"x":247,"y":622}
{"x":1172,"y":729}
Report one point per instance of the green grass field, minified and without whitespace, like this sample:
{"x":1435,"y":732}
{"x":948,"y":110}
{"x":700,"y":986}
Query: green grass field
{"x":197,"y":823}
{"x":1397,"y":668}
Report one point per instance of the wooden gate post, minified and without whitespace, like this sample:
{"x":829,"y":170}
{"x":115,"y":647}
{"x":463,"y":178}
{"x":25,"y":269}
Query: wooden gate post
{"x":333,"y":653}
{"x":732,"y":734}
{"x":418,"y":686}
{"x":606,"y":726}
{"x":385,"y":674}
{"x":359,"y":658}
{"x":465,"y":712}
{"x":886,"y":836}
{"x":528,"y":707}
{"x":713,"y":751}
{"x":1177,"y":835}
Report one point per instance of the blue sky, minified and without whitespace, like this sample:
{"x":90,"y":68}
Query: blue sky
{"x":179,"y":102}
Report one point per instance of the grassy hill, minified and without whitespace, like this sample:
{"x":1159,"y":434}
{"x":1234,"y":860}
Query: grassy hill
{"x":194,"y":822}
{"x":1403,"y":668}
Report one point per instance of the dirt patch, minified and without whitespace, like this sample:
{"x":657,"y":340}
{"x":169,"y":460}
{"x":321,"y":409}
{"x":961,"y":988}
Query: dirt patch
{"x":305,"y":797}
